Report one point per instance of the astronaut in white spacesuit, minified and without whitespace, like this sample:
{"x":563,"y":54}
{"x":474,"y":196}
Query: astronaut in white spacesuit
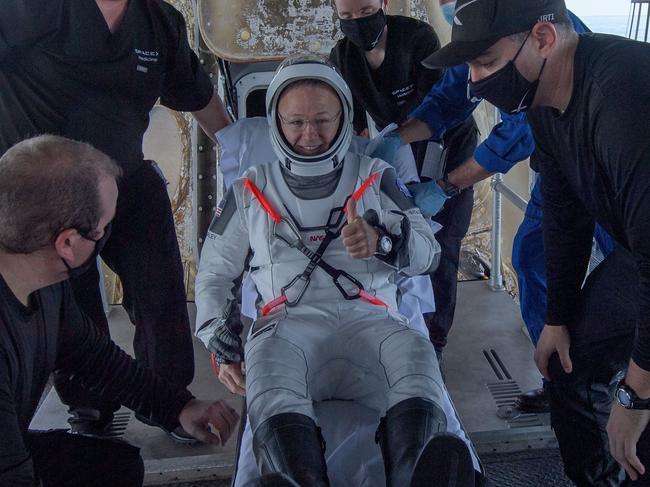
{"x":327,"y":325}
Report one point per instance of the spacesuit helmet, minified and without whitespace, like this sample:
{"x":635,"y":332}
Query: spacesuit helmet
{"x":309,"y":67}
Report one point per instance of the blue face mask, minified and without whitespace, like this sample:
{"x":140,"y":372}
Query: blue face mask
{"x":449,"y":12}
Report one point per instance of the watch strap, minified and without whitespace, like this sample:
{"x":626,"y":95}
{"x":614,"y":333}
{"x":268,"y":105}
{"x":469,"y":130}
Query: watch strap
{"x":449,"y":188}
{"x":382,"y":233}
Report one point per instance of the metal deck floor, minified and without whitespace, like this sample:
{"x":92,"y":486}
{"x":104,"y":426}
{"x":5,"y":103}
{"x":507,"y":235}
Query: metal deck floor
{"x":487,"y":362}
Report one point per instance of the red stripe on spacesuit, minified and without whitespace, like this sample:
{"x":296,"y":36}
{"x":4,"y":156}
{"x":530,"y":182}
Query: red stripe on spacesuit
{"x":364,"y":186}
{"x":273,"y":304}
{"x":250,"y":185}
{"x":215,"y":365}
{"x":366,"y":296}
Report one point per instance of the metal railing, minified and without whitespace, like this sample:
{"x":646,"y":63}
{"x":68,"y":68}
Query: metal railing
{"x":499,"y":190}
{"x":638,"y":23}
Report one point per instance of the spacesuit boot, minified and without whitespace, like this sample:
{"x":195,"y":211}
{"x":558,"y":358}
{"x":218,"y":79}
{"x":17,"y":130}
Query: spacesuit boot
{"x":291,"y":444}
{"x":416,"y":450}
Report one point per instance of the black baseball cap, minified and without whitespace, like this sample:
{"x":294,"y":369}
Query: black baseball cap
{"x":479,"y":24}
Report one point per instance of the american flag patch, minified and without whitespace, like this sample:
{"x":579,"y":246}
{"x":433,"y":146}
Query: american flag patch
{"x":219,"y":209}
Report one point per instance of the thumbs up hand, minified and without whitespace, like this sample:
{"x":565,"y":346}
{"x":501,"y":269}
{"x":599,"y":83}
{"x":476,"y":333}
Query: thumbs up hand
{"x":359,"y":238}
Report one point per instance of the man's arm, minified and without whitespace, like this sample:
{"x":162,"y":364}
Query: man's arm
{"x":623,"y":144}
{"x":623,"y":149}
{"x":16,"y":467}
{"x":213,"y":117}
{"x":509,"y":142}
{"x":425,"y":42}
{"x":568,"y":232}
{"x":187,"y":87}
{"x":414,"y":130}
{"x":94,"y":361}
{"x":447,"y":105}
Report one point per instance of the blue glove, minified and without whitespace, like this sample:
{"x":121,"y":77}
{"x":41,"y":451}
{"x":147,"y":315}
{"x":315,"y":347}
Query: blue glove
{"x":386,"y":147}
{"x":429,"y":197}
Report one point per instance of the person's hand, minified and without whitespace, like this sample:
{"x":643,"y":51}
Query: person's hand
{"x":359,"y":238}
{"x":385,"y":147}
{"x":624,"y":429}
{"x":211,"y":422}
{"x":226,"y":345}
{"x":232,"y":376}
{"x":553,"y":339}
{"x":429,"y":197}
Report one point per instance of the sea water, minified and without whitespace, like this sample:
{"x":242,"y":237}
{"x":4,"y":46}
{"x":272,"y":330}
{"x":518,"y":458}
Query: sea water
{"x":612,"y":24}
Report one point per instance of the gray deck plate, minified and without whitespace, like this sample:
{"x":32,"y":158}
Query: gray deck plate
{"x":485,"y":320}
{"x":489,"y":323}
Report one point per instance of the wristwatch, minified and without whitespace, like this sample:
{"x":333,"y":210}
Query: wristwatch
{"x":450,"y":189}
{"x":628,"y":398}
{"x":384,"y":243}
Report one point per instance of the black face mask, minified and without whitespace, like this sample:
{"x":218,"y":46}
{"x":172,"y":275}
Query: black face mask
{"x":75,"y":272}
{"x":366,"y":31}
{"x":507,"y":89}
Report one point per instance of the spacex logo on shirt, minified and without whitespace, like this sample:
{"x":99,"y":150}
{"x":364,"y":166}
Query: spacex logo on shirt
{"x":145,"y":56}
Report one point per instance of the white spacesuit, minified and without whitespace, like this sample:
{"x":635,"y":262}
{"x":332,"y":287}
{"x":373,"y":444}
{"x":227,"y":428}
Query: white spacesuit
{"x":327,"y":325}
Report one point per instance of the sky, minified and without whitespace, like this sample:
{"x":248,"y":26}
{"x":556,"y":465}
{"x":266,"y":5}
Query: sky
{"x":588,"y":8}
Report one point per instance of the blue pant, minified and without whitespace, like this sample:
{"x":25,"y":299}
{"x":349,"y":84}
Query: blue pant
{"x":528,"y":261}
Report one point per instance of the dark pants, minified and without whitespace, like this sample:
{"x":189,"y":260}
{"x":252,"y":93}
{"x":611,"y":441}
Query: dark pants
{"x":455,"y":218}
{"x":528,"y":261}
{"x":143,"y":251}
{"x":64,"y":460}
{"x":601,"y":342}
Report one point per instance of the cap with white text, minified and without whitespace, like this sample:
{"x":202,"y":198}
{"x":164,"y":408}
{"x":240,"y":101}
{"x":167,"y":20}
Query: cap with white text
{"x":479,"y":24}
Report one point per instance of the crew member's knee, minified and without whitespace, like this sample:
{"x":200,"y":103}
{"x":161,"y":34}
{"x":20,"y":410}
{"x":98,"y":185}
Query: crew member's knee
{"x":411,"y":367}
{"x":276,"y":380}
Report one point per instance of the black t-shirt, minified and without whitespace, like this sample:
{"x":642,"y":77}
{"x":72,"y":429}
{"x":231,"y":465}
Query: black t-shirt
{"x":595,"y":165}
{"x":52,"y":334}
{"x":63,"y":72}
{"x":399,"y":85}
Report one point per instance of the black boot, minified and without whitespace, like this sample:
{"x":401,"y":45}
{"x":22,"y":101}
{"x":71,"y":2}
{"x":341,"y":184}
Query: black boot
{"x":291,"y":444}
{"x":417,"y":451}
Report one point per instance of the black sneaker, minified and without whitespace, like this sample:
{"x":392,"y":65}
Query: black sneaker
{"x":90,"y":422}
{"x":182,"y":437}
{"x":178,"y":435}
{"x":534,"y":401}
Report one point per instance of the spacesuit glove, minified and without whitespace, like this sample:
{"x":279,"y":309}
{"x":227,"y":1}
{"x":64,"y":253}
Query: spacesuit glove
{"x":226,"y":344}
{"x":429,"y":197}
{"x":385,"y":147}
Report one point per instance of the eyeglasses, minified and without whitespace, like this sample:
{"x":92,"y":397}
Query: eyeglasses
{"x":321,"y":124}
